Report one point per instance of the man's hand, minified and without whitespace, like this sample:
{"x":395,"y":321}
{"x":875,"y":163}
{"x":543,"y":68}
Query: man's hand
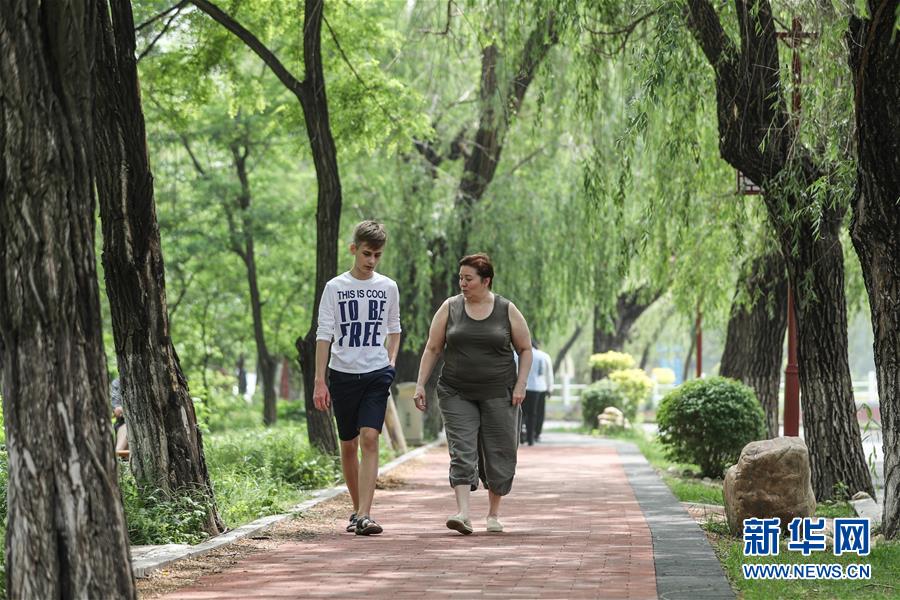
{"x":419,"y":398}
{"x":518,"y":394}
{"x":321,"y":397}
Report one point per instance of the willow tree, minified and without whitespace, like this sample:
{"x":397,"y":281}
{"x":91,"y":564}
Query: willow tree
{"x":874,"y":56}
{"x":66,"y":535}
{"x":165,"y":442}
{"x":759,"y":136}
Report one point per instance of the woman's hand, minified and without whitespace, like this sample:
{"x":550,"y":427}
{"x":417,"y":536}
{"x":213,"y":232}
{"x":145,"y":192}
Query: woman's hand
{"x":419,"y":398}
{"x":518,"y":394}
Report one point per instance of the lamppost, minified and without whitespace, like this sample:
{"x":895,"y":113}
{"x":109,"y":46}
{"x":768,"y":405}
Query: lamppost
{"x":793,"y":38}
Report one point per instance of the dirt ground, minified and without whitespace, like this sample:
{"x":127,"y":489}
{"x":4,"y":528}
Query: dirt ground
{"x":319,"y":520}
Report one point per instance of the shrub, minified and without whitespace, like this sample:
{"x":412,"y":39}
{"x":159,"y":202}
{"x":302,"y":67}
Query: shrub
{"x":635,"y":386}
{"x":707,"y":422}
{"x":663,"y":375}
{"x":606,"y":362}
{"x":596,"y":397}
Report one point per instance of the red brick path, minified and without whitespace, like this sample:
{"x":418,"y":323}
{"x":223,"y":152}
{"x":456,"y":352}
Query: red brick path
{"x":573,"y":530}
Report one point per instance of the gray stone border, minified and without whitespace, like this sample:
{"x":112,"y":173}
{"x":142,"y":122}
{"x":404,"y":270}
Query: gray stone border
{"x":165,"y":555}
{"x":686,"y":564}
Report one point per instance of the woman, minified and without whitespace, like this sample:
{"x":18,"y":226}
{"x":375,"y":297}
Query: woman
{"x":479,"y":390}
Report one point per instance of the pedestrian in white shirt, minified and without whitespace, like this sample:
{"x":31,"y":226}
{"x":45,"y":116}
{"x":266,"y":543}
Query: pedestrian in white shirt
{"x":537,"y":388}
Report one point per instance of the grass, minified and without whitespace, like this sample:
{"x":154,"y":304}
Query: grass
{"x":884,"y":561}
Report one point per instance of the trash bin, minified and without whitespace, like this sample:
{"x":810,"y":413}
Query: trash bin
{"x":411,"y":418}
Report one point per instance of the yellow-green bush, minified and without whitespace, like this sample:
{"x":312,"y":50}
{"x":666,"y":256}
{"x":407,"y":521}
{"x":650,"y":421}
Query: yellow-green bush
{"x":607,"y":362}
{"x":635,"y":386}
{"x":663,"y":375}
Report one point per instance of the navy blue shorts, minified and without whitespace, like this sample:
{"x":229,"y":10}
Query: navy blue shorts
{"x":359,"y":399}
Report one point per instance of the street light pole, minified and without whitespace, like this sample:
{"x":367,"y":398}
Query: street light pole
{"x":792,"y":372}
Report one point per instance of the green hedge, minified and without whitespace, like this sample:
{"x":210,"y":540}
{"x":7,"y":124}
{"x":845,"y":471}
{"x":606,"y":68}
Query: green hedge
{"x":708,"y":422}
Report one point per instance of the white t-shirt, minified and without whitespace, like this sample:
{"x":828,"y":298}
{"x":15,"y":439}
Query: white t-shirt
{"x":358,"y":315}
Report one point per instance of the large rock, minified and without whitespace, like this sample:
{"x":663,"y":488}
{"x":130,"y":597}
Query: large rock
{"x":770,"y":479}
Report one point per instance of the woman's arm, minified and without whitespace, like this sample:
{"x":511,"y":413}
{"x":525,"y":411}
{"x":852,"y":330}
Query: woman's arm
{"x":521,"y":341}
{"x":437,"y":337}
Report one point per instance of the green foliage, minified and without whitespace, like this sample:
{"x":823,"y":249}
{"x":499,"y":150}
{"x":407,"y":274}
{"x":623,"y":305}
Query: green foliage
{"x":606,"y":362}
{"x":636,"y":386}
{"x":280,"y":453}
{"x":153,"y":519}
{"x":596,"y":397}
{"x":708,"y":422}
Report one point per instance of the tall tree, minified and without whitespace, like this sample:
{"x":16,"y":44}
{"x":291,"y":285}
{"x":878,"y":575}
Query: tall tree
{"x":242,"y":244}
{"x":759,"y":137}
{"x":66,"y":535}
{"x":875,"y":65}
{"x":310,"y":92}
{"x":754,"y":340}
{"x":165,"y":442}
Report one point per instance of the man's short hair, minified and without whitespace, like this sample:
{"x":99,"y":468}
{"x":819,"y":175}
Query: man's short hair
{"x":371,"y":233}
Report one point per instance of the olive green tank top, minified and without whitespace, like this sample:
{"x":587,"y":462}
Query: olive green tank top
{"x":478,"y":358}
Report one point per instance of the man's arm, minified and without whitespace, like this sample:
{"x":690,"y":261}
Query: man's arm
{"x":393,"y":346}
{"x":324,"y":335}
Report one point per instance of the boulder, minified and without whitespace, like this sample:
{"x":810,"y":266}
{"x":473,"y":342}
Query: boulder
{"x":770,"y":479}
{"x":612,"y":417}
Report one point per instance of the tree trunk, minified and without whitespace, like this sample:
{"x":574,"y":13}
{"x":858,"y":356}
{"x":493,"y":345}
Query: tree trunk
{"x":241,"y":375}
{"x":754,"y":343}
{"x":629,"y":307}
{"x":311,"y":94}
{"x":689,"y":356}
{"x":165,"y":443}
{"x":875,"y":228}
{"x":328,"y":213}
{"x":243,"y":245}
{"x":66,"y":534}
{"x":561,"y":355}
{"x":759,"y":137}
{"x":830,"y":426}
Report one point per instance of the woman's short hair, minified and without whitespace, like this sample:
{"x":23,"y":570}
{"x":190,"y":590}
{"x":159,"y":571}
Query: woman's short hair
{"x":371,"y":233}
{"x":481,"y":262}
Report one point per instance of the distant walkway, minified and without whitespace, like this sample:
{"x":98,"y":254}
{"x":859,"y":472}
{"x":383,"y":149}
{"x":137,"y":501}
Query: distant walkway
{"x":587,"y":518}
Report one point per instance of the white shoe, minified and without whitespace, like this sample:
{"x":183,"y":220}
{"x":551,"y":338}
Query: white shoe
{"x":457,"y":523}
{"x":494,"y":525}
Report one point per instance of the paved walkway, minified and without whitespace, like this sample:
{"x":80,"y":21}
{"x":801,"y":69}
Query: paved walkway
{"x":587,"y":518}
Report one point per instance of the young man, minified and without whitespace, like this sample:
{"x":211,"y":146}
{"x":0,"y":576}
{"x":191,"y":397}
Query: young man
{"x":360,"y":314}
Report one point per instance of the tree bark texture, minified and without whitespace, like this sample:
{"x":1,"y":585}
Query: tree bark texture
{"x":165,"y":442}
{"x":66,"y":534}
{"x":311,"y":94}
{"x":498,"y":106}
{"x":875,"y":228}
{"x":244,"y":246}
{"x":758,"y":137}
{"x":754,"y":342}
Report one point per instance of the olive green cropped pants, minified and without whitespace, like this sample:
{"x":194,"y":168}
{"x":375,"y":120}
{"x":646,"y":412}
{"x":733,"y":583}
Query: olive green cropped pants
{"x":483,"y":438}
